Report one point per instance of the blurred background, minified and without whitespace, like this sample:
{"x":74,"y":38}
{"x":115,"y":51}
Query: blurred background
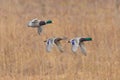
{"x":22,"y":51}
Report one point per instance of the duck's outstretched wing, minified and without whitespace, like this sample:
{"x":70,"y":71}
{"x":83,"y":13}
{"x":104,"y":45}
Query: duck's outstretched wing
{"x":49,"y":45}
{"x":64,"y":38}
{"x":83,"y":49}
{"x":39,"y":30}
{"x":59,"y":46}
{"x":74,"y":45}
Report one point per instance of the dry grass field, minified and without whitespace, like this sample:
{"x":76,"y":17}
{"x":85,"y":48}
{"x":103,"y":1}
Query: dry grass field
{"x":22,"y":50}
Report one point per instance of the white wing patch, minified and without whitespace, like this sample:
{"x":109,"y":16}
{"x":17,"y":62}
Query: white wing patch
{"x":49,"y":45}
{"x":75,"y":45}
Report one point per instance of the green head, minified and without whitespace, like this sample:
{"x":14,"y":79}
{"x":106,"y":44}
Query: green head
{"x":48,"y":21}
{"x":88,"y":39}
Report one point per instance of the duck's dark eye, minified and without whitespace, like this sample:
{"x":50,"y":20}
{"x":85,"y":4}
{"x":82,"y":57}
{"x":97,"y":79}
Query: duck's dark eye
{"x":73,"y":42}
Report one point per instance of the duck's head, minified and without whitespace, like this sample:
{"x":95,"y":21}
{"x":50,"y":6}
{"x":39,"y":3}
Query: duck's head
{"x":48,"y":21}
{"x":88,"y":39}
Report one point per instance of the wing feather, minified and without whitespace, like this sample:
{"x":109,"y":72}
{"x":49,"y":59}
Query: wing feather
{"x":74,"y":45}
{"x":83,"y":49}
{"x":39,"y":30}
{"x":59,"y":46}
{"x":49,"y":45}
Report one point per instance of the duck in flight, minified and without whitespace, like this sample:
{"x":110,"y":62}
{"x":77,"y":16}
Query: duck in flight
{"x":79,"y":42}
{"x":54,"y":41}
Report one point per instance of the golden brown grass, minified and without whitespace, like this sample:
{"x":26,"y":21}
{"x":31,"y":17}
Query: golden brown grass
{"x":22,"y":50}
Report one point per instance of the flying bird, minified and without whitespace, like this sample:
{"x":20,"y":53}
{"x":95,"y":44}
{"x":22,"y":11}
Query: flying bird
{"x":54,"y":41}
{"x":79,"y":42}
{"x":35,"y":23}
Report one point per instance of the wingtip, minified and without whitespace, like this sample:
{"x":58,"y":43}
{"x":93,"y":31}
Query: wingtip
{"x":45,"y":41}
{"x":85,"y":54}
{"x":61,"y":51}
{"x":68,"y":41}
{"x":65,"y":38}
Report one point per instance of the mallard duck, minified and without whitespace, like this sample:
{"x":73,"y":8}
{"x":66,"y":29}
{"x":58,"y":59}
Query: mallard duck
{"x":54,"y":41}
{"x":79,"y":42}
{"x":35,"y":23}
